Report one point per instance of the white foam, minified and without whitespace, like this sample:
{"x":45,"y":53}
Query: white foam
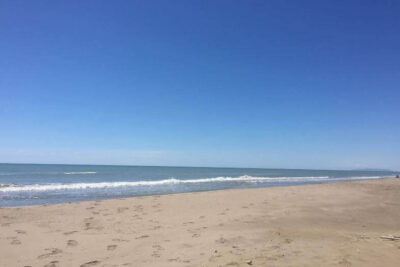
{"x":172,"y":181}
{"x":80,"y":172}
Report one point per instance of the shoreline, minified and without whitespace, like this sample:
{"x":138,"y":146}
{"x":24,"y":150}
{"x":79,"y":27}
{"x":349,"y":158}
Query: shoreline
{"x":325,"y":224}
{"x":192,"y":192}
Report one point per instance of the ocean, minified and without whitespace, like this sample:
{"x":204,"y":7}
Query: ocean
{"x":39,"y":184}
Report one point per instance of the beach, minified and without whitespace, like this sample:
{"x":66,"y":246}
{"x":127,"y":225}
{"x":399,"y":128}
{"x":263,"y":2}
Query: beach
{"x":335,"y":224}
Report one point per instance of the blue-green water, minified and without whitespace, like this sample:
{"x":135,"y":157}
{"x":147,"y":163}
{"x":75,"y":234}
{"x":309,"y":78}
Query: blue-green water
{"x":35,"y":184}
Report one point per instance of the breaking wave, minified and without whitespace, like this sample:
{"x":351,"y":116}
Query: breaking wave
{"x":172,"y":181}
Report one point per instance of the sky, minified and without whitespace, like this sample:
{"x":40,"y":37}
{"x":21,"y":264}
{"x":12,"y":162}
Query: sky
{"x":273,"y":84}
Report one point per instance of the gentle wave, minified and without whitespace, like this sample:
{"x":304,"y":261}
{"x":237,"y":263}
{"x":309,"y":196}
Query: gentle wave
{"x":172,"y":181}
{"x":80,"y":172}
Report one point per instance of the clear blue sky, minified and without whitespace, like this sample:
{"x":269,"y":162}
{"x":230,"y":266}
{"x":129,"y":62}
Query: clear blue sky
{"x":292,"y":84}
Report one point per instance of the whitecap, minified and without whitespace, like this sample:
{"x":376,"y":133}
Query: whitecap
{"x":80,"y":172}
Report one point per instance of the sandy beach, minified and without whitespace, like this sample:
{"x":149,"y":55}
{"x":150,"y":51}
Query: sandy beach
{"x":341,"y":224}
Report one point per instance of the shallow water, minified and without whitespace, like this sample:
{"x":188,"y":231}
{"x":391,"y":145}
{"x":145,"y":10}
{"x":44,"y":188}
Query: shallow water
{"x":35,"y":184}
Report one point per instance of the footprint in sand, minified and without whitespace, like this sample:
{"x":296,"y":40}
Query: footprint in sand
{"x":221,"y":240}
{"x":88,"y":223}
{"x":157,"y":250}
{"x":156,"y":254}
{"x":122,"y":209}
{"x":15,"y":242}
{"x":52,"y":264}
{"x":288,"y":240}
{"x":92,"y":224}
{"x":142,"y":236}
{"x":20,"y":232}
{"x":72,"y":243}
{"x":138,"y":208}
{"x":70,"y":233}
{"x":111,"y":247}
{"x":90,"y":263}
{"x":52,"y":252}
{"x":344,"y":261}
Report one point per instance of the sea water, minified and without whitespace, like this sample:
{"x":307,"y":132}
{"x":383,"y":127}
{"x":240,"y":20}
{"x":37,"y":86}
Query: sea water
{"x":37,"y":184}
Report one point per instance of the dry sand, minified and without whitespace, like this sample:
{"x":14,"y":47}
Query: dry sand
{"x":313,"y":225}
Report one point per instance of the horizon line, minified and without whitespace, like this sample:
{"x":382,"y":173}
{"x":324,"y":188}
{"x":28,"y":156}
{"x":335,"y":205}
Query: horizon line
{"x":217,"y":167}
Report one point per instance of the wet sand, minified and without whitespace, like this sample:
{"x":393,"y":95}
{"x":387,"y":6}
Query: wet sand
{"x":339,"y":224}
